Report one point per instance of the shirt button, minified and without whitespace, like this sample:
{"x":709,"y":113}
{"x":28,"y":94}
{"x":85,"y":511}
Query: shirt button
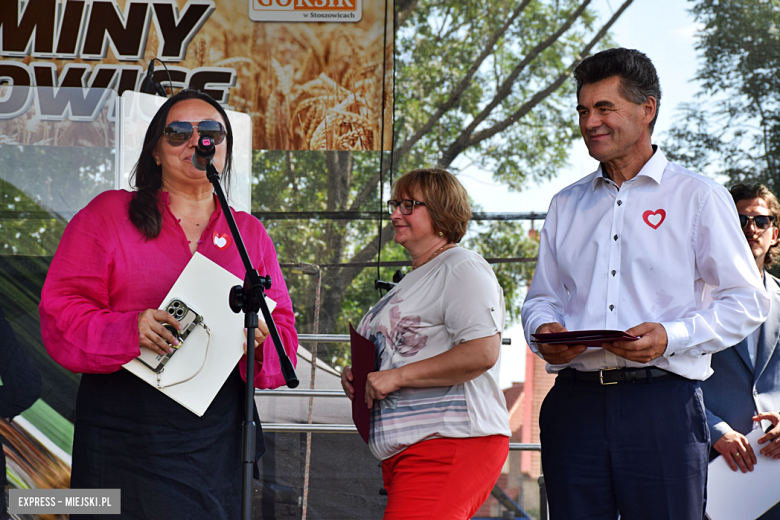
{"x":615,"y":237}
{"x":611,"y":307}
{"x":200,"y":241}
{"x":620,"y":202}
{"x":613,"y":272}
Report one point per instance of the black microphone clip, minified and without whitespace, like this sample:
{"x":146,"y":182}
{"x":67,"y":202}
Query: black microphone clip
{"x":204,"y":153}
{"x":149,"y":86}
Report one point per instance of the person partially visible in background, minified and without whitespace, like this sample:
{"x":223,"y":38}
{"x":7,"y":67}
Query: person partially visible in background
{"x":20,"y":388}
{"x":744,"y":391}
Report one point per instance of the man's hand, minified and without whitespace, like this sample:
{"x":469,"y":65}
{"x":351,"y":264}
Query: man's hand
{"x":771,"y":450}
{"x":557,"y":354}
{"x":736,"y":450}
{"x":650,"y":345}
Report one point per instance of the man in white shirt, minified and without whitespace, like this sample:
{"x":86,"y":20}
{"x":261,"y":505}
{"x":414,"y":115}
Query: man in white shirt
{"x":745,"y":388}
{"x":632,"y":247}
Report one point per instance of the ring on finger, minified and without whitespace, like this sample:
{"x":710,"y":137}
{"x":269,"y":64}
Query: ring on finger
{"x":737,"y":455}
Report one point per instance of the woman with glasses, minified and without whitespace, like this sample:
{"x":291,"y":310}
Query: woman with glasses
{"x":439,"y":421}
{"x":116,"y":262}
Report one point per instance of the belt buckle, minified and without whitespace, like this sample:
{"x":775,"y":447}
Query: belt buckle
{"x":601,"y":376}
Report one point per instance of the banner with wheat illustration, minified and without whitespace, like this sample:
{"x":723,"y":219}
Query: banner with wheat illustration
{"x":320,"y":84}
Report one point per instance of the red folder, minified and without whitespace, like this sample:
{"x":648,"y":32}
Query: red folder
{"x":589,"y":338}
{"x":363,"y":354}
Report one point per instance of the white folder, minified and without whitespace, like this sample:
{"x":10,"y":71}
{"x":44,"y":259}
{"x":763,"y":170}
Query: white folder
{"x":204,"y":286}
{"x":733,"y":495}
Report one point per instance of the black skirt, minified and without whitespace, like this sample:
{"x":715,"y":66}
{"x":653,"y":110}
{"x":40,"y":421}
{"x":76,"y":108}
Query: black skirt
{"x":167,"y":461}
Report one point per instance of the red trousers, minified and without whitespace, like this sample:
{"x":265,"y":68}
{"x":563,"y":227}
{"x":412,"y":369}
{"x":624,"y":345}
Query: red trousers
{"x":442,"y":479}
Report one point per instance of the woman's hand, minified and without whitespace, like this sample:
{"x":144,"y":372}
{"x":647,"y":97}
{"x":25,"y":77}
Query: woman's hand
{"x":153,"y":335}
{"x":261,"y":332}
{"x":346,"y":382}
{"x":381,"y":383}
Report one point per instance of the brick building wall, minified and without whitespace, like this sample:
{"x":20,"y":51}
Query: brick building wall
{"x":537,"y":383}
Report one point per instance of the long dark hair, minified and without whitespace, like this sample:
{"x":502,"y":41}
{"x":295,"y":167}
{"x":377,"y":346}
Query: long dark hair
{"x":146,"y":177}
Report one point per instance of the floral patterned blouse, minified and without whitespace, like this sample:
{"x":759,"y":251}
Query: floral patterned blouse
{"x":452,"y":299}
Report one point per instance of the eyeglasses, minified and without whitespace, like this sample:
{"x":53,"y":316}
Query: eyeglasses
{"x":406,"y":206}
{"x":761,"y":221}
{"x":179,"y":132}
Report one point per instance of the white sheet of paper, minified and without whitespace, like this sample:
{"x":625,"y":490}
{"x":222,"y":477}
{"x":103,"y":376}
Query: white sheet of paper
{"x":746,"y":496}
{"x":204,"y":286}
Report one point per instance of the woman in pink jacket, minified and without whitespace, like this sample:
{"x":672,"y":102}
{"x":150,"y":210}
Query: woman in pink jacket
{"x":117,"y":260}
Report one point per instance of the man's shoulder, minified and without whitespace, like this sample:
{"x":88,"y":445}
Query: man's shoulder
{"x":576,"y":188}
{"x":679,"y":173}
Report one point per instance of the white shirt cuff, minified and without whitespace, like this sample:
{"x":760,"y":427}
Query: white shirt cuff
{"x":677,"y":338}
{"x":532,"y":330}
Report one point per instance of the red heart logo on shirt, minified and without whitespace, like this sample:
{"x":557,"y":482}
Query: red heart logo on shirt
{"x":654,"y":218}
{"x":221,"y":241}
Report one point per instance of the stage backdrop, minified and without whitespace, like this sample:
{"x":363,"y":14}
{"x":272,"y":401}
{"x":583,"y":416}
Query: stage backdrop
{"x":312,"y":74}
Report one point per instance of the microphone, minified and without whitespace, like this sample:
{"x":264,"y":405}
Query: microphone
{"x":384,"y":286}
{"x":204,"y":153}
{"x":149,"y":86}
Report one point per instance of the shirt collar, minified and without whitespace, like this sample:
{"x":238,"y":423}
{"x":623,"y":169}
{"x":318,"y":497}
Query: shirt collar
{"x":653,"y":169}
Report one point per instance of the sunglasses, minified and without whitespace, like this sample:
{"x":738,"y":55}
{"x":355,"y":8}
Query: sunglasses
{"x":761,"y":221}
{"x":406,"y":206}
{"x":179,"y":132}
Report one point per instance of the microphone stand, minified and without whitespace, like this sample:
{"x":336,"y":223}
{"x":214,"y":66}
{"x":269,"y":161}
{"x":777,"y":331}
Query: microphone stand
{"x":249,"y":299}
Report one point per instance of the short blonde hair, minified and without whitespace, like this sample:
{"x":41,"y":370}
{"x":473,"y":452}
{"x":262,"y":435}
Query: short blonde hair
{"x":444,"y":196}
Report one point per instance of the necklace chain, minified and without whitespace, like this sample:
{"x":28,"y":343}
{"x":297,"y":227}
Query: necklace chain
{"x":435,"y":253}
{"x":185,"y":216}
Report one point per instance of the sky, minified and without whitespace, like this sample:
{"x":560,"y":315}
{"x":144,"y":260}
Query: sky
{"x":665,"y":31}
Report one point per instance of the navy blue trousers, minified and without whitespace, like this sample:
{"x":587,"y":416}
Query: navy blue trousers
{"x":638,"y":449}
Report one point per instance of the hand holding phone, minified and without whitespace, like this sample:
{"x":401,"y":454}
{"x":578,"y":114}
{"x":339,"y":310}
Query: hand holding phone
{"x":178,"y":314}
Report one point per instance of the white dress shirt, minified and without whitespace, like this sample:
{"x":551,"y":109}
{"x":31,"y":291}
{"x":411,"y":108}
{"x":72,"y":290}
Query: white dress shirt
{"x":612,"y":259}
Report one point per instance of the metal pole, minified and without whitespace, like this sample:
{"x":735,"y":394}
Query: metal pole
{"x":307,"y":469}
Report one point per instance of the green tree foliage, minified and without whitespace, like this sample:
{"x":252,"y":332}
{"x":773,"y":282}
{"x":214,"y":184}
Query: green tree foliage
{"x":508,"y":241}
{"x":42,"y":187}
{"x":477,"y":82}
{"x":735,"y":127}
